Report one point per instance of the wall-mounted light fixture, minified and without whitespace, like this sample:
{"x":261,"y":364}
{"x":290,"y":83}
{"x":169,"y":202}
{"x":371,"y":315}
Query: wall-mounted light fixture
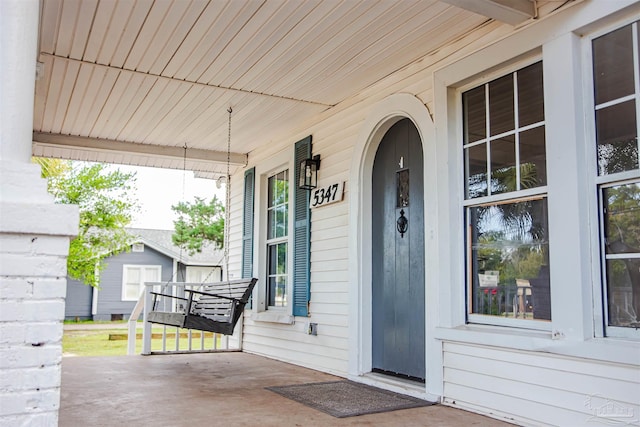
{"x":309,"y":173}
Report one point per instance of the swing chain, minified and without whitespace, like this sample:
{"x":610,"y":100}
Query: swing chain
{"x":228,"y":199}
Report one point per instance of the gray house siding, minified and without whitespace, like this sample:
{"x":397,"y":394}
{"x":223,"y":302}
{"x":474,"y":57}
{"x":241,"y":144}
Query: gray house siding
{"x":110,"y":303}
{"x":78,"y":303}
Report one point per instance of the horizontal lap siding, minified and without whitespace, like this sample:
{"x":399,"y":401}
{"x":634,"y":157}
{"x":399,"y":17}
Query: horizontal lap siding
{"x":335,"y":133}
{"x":328,"y":351}
{"x":552,"y":389}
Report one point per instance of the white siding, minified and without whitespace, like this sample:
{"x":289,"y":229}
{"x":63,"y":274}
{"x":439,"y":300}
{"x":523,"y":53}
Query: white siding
{"x":547,"y":382}
{"x":559,"y":390}
{"x":334,"y":138}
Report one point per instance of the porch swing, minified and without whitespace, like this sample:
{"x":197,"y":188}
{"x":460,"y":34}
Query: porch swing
{"x":217,"y":307}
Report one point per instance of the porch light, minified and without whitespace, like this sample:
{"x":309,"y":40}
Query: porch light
{"x":309,"y":173}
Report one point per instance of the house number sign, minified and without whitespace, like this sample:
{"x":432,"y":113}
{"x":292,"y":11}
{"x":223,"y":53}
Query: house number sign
{"x":326,"y":195}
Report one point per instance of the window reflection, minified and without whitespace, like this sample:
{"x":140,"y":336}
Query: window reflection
{"x":503,"y":165}
{"x":622,"y":245}
{"x":501,"y":108}
{"x":509,"y":259}
{"x":277,"y":232}
{"x":616,"y":136}
{"x":613,"y":65}
{"x":517,"y":157}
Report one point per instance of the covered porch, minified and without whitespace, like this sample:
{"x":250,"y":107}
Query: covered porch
{"x":212,"y":389}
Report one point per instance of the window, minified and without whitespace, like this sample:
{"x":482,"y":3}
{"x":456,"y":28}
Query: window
{"x":134,"y":277}
{"x":616,"y":72}
{"x":505,"y":200}
{"x":277,"y":239}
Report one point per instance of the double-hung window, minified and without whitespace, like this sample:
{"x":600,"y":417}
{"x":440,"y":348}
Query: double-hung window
{"x":277,"y":239}
{"x":134,"y":278}
{"x":616,"y":80}
{"x":507,"y":244}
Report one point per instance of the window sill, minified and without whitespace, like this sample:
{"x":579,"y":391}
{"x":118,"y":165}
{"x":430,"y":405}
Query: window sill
{"x":272,"y":317}
{"x":614,"y":350}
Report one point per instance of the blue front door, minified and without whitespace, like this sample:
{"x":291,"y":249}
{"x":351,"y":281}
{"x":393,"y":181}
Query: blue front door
{"x":398,"y":292}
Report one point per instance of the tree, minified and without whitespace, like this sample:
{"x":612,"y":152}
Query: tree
{"x":199,"y":223}
{"x":106,"y":206}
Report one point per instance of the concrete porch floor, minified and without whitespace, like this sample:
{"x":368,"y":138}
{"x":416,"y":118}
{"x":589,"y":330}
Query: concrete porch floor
{"x":212,"y":389}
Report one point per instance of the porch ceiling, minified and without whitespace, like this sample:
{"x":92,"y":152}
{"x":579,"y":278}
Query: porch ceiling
{"x":133,"y":82}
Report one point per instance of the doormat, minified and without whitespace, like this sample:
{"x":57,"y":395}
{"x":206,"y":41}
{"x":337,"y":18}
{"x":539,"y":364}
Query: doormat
{"x":347,"y":398}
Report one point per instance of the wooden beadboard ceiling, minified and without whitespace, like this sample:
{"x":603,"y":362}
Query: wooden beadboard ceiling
{"x":116,"y":74}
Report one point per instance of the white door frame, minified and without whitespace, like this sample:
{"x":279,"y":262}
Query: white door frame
{"x":384,"y":115}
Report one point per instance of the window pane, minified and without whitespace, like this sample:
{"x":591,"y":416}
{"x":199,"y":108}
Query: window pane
{"x":503,"y":165}
{"x":530,"y":95}
{"x":616,"y":137}
{"x":475,"y":117}
{"x":622,"y":236}
{"x":151,"y":275}
{"x":613,"y":65}
{"x":277,"y":272}
{"x":278,"y":205}
{"x":271,"y":224}
{"x":501,"y":114}
{"x":277,"y":266}
{"x":476,"y":170}
{"x":533,"y":166}
{"x":622,"y":292}
{"x":622,"y":218}
{"x":510,"y":260}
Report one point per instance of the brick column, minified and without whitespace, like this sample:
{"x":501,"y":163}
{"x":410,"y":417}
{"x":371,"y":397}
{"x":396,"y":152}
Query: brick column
{"x":34,"y":239}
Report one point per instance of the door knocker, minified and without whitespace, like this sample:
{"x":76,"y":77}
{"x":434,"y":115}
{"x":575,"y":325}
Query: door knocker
{"x":402,"y":224}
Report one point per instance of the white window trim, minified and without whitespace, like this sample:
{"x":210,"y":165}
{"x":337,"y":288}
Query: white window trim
{"x":125,"y":268}
{"x":597,"y":182}
{"x":260,"y":312}
{"x":559,"y":38}
{"x":512,"y":196}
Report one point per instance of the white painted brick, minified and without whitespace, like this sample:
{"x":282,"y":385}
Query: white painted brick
{"x":32,"y":266}
{"x":31,"y":310}
{"x":12,"y":380}
{"x":48,"y":333}
{"x":15,"y":288}
{"x":50,"y":245}
{"x":39,"y":219}
{"x":29,"y":402}
{"x":17,"y":333}
{"x":15,"y":243}
{"x":42,"y":419}
{"x":33,"y":244}
{"x":54,"y":288}
{"x":28,"y":356}
{"x":38,"y":288}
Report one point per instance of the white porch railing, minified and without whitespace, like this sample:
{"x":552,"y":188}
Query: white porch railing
{"x":162,"y":339}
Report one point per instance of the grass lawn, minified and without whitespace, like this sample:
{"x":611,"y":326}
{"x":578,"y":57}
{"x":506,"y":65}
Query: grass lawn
{"x":113,"y":342}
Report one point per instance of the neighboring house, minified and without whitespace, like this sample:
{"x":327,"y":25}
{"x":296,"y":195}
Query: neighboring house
{"x":153,"y":258}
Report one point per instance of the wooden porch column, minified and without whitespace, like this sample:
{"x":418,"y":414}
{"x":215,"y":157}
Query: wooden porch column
{"x":34,"y":238}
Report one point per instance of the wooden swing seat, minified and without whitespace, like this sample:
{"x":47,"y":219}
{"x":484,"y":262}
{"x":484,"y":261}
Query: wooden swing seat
{"x":216,"y":308}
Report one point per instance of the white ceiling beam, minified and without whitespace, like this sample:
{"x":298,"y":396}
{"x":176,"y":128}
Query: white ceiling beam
{"x":149,"y":150}
{"x":512,"y":12}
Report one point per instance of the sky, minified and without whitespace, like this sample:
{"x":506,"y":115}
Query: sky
{"x":159,"y":189}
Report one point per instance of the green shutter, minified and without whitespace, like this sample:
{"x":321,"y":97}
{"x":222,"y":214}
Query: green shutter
{"x":247,"y":225}
{"x":301,"y":235}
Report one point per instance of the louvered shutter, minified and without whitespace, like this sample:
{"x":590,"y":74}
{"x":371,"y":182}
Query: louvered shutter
{"x":247,"y":225}
{"x":302,"y":235}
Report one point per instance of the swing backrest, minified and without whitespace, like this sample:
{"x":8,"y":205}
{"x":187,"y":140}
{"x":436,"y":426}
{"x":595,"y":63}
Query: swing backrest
{"x":222,"y":299}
